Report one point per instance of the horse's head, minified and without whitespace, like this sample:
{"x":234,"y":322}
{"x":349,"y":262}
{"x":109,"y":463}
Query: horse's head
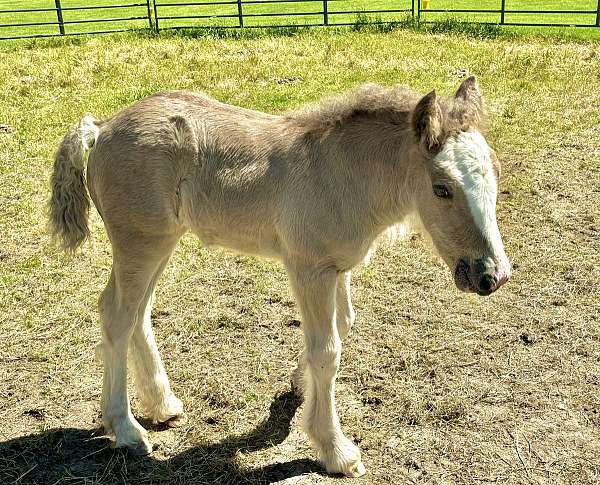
{"x":457,"y":203}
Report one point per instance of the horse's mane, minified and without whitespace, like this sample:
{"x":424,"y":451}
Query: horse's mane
{"x":391,"y":106}
{"x":373,"y":101}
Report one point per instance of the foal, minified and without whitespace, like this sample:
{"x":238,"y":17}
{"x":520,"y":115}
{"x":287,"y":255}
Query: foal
{"x":313,"y":188}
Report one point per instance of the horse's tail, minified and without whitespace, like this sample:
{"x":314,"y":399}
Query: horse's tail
{"x":69,"y":204}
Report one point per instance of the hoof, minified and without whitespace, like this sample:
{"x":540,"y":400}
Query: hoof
{"x":176,"y":421}
{"x":136,"y":448}
{"x":353,"y":469}
{"x":356,"y":470}
{"x":343,"y":458}
{"x":169,"y":413}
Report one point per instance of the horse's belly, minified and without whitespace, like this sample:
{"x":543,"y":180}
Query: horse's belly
{"x":250,"y":236}
{"x":267,"y":247}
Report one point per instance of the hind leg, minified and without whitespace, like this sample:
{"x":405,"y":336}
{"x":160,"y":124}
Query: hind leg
{"x":151,"y":378}
{"x":136,"y":259}
{"x":345,"y":314}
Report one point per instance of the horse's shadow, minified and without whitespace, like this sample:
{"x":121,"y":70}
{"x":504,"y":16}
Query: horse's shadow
{"x":77,"y":455}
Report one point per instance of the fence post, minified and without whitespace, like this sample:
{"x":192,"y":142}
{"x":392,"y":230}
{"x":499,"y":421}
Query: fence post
{"x":502,"y":9}
{"x":326,"y":13}
{"x":598,"y":14}
{"x":61,"y":22}
{"x":240,"y":13}
{"x":149,"y":15}
{"x":155,"y":16}
{"x":419,"y":10}
{"x":412,"y":8}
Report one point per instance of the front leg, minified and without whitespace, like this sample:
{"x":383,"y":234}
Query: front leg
{"x":345,"y":316}
{"x":315,"y":291}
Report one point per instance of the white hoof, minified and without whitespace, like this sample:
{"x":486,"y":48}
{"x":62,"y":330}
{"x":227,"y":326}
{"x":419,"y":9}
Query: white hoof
{"x":141,"y":447}
{"x":170,"y":412}
{"x":343,"y":457}
{"x":176,"y":421}
{"x":128,"y":433}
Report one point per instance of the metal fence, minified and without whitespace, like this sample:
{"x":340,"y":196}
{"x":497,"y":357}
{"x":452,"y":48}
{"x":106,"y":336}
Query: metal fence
{"x":49,"y":18}
{"x":52,"y":18}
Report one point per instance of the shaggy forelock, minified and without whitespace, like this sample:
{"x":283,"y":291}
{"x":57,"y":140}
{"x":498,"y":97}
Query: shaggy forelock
{"x":458,"y":159}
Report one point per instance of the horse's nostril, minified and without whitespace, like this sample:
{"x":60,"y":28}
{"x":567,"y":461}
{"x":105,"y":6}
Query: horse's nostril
{"x":487,"y":283}
{"x":463,"y":265}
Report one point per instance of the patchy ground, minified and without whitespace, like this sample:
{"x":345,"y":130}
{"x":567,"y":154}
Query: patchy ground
{"x":435,"y":386}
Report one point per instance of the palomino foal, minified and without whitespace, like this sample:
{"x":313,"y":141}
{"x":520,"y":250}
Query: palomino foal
{"x":313,"y":188}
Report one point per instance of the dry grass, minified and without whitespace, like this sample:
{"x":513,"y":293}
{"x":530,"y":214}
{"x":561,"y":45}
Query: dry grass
{"x":436,"y":387}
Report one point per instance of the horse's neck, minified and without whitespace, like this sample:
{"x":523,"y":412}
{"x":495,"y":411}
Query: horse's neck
{"x":381,"y":163}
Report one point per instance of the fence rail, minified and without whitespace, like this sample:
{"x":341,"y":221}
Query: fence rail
{"x":47,"y":18}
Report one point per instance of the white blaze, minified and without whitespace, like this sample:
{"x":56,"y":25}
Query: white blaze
{"x":467,"y":157}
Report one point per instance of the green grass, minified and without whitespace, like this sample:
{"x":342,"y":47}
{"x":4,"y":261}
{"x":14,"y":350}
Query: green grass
{"x":539,"y":5}
{"x":311,"y":14}
{"x":70,"y":15}
{"x":435,"y":386}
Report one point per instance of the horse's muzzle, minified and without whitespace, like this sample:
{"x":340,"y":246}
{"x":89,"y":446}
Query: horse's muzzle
{"x":483,"y":276}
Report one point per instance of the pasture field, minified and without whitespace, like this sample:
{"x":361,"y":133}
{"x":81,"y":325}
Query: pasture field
{"x":290,"y":13}
{"x":435,"y":386}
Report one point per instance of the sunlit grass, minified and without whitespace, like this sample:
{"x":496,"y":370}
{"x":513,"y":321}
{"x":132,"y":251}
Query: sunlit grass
{"x":435,"y":386}
{"x":309,"y":12}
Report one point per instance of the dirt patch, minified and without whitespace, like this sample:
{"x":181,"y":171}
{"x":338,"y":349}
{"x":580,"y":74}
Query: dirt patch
{"x":435,"y":387}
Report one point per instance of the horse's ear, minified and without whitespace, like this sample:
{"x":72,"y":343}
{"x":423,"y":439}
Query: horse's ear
{"x":470,"y":103}
{"x":469,"y":90}
{"x":427,"y":122}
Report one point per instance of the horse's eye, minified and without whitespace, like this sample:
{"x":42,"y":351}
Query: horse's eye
{"x":442,"y":192}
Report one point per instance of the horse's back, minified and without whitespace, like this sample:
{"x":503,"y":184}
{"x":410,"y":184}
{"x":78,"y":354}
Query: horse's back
{"x":181,"y":159}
